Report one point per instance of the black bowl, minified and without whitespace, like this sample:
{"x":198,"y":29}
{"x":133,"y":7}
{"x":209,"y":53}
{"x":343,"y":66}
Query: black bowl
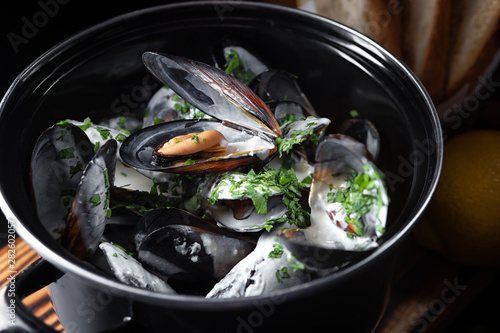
{"x":99,"y":73}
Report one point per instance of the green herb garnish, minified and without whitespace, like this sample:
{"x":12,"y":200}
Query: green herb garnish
{"x":292,"y":137}
{"x":260,"y":186}
{"x":95,"y":200}
{"x":277,"y":251}
{"x":195,"y":138}
{"x":282,"y":274}
{"x":66,"y":153}
{"x":235,"y":66}
{"x":104,"y":132}
{"x":86,"y":124}
{"x":361,"y":194}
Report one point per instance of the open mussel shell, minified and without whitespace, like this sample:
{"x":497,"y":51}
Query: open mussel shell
{"x":315,"y":257}
{"x":58,"y":160}
{"x":277,"y":85}
{"x":244,"y":148}
{"x":238,"y":212}
{"x":214,"y":92}
{"x":241,"y":216}
{"x":249,"y":59}
{"x":334,"y":157}
{"x":162,"y":217}
{"x":86,"y":221}
{"x":325,"y":243}
{"x":191,"y":252}
{"x":244,"y":120}
{"x":176,"y":243}
{"x":365,"y":132}
{"x":128,"y":270}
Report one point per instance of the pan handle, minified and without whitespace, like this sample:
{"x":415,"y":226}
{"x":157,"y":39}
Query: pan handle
{"x":19,"y":319}
{"x":15,"y":316}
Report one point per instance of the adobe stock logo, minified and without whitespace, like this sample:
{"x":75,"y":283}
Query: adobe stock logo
{"x":30,"y":26}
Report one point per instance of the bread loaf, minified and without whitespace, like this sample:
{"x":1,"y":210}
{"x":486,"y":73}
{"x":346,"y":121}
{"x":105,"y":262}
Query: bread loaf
{"x":426,"y":42}
{"x":377,"y":19}
{"x":449,"y":44}
{"x":474,"y":41}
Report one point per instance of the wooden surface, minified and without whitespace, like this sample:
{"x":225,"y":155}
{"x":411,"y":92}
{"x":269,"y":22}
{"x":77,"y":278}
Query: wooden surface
{"x":429,"y":293}
{"x":39,"y":302}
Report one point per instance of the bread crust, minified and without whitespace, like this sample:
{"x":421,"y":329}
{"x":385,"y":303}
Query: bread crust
{"x":377,"y":19}
{"x":451,"y":59}
{"x":427,"y":58}
{"x":478,"y":54}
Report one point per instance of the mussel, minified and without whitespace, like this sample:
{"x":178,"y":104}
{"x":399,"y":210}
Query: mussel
{"x":86,"y":221}
{"x":276,"y":202}
{"x":236,"y":202}
{"x":130,"y":271}
{"x":60,"y":155}
{"x":364,"y":131}
{"x":277,"y":85}
{"x":348,"y":204}
{"x":246,"y":128}
{"x":270,"y":267}
{"x":175,"y":243}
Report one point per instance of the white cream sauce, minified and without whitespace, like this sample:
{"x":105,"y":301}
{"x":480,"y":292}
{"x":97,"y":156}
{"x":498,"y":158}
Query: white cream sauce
{"x":328,"y":224}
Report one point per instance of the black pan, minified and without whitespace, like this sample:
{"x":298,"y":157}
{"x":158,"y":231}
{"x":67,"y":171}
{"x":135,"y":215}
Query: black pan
{"x":99,"y":72}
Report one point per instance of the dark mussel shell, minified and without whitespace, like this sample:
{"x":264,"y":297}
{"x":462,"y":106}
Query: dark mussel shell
{"x":138,"y":149}
{"x":314,"y":257}
{"x":277,"y":85}
{"x":58,"y":160}
{"x":365,"y":132}
{"x":86,"y":221}
{"x":128,"y":270}
{"x":162,"y":217}
{"x":175,"y":243}
{"x":214,"y":92}
{"x":242,"y":117}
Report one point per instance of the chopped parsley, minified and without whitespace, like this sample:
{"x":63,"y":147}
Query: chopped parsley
{"x":73,"y":170}
{"x":292,"y":137}
{"x":95,"y":200}
{"x":260,"y":186}
{"x":158,"y":120}
{"x":121,"y":122}
{"x":277,"y":251}
{"x":86,"y":124}
{"x":235,"y":66}
{"x":66,"y":153}
{"x":360,"y":195}
{"x":122,"y":135}
{"x":282,"y":274}
{"x":104,"y":132}
{"x":195,"y":138}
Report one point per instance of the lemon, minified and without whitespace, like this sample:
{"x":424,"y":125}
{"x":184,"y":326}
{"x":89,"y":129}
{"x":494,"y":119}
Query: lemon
{"x":463,"y":219}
